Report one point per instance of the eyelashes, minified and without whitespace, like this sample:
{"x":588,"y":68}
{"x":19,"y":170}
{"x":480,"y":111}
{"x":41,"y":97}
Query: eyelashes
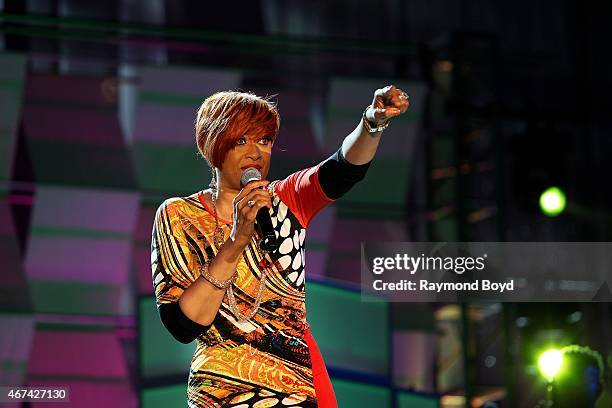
{"x":266,"y":140}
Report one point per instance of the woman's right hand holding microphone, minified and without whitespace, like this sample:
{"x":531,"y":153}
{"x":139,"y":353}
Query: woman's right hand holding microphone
{"x":246,"y":204}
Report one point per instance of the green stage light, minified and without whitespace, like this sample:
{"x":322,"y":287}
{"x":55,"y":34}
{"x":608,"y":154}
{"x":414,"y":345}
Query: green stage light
{"x":552,"y":201}
{"x":550,"y":363}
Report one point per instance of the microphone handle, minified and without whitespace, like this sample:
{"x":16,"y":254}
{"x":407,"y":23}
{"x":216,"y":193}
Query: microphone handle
{"x":264,"y":225}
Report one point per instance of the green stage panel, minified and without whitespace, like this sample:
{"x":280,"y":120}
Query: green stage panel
{"x":164,"y":397}
{"x":172,"y":168}
{"x":443,"y":151}
{"x":165,"y":98}
{"x":281,"y":167}
{"x":360,"y":395}
{"x":160,"y":353}
{"x":444,"y":192}
{"x":445,"y":229}
{"x":408,"y":400}
{"x":70,"y":297}
{"x":82,"y":164}
{"x":376,"y":190}
{"x":352,"y":334}
{"x":11,"y":99}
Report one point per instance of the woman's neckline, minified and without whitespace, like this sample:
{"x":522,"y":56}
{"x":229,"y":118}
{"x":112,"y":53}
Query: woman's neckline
{"x":210,"y":211}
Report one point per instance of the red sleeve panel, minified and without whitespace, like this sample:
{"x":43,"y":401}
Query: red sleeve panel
{"x":302,"y":193}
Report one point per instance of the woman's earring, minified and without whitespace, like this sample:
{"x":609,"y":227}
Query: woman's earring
{"x":213,"y":182}
{"x":218,"y":234}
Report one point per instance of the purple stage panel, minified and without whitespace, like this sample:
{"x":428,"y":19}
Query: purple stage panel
{"x":12,"y":76}
{"x":316,"y":263}
{"x":169,"y":99}
{"x":72,"y":124}
{"x":78,"y":272}
{"x":321,"y":226}
{"x":345,"y":249}
{"x":91,"y":394}
{"x":84,"y":354}
{"x":79,"y":253}
{"x":71,"y":109}
{"x":349,"y":233}
{"x":166,"y":124}
{"x":144,"y":225}
{"x":15,"y":344}
{"x":344,"y":268}
{"x":296,"y":137}
{"x":188,"y":81}
{"x":317,"y":242}
{"x":142,"y":251}
{"x":85,"y":210}
{"x":414,"y":360}
{"x":142,"y":262}
{"x":80,"y":259}
{"x":77,"y":90}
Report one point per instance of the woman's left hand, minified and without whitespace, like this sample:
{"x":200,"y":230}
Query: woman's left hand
{"x":388,"y":102}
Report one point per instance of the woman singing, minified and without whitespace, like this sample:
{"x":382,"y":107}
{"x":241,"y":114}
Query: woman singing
{"x":214,"y":282}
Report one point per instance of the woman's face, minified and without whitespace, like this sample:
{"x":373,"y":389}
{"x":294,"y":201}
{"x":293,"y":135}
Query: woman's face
{"x":249,"y":151}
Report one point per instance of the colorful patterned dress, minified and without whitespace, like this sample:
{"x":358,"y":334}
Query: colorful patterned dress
{"x":266,"y":361}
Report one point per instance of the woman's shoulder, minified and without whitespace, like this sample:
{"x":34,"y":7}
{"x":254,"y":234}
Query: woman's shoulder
{"x":182,"y":205}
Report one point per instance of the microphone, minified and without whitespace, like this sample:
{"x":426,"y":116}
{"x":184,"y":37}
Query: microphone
{"x":263,"y":222}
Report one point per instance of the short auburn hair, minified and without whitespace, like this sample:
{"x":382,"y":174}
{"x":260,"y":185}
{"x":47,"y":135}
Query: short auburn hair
{"x":226,"y":116}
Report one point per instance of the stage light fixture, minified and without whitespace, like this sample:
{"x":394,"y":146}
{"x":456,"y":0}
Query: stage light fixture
{"x":550,"y":363}
{"x":552,"y":201}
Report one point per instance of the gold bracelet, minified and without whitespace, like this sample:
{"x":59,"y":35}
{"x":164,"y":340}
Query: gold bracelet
{"x":373,"y":127}
{"x":216,"y":282}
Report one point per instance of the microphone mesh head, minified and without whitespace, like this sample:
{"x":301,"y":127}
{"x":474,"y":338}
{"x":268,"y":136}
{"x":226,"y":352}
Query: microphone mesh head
{"x":249,"y":174}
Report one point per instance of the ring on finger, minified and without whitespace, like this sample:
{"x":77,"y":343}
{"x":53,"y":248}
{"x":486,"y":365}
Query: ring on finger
{"x":251,"y":203}
{"x":404,"y":95}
